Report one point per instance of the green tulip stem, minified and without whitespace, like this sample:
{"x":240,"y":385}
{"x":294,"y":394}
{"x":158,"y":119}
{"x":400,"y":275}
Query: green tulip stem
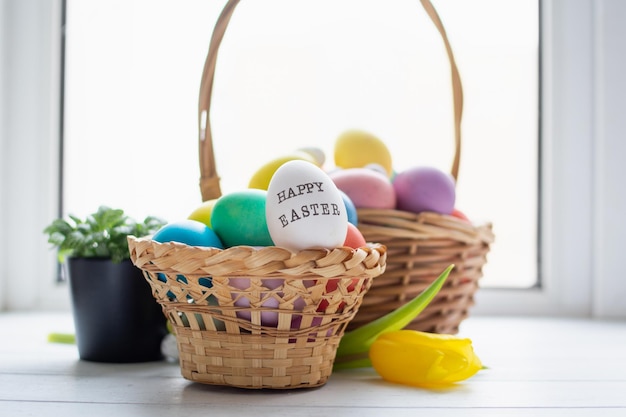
{"x":354,"y":346}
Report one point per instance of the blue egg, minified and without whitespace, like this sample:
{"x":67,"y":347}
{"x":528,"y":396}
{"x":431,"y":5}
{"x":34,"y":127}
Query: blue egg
{"x":161,"y":277}
{"x":350,"y":208}
{"x":189,"y":232}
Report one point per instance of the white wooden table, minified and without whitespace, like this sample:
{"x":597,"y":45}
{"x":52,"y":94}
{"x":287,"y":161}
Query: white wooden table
{"x":537,"y":367}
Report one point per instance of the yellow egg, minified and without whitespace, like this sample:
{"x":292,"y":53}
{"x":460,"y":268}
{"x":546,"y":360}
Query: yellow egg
{"x":261,"y":178}
{"x":357,"y":148}
{"x":203,"y":212}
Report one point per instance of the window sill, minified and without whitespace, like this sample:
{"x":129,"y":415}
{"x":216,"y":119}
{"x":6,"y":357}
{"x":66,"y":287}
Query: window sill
{"x":547,"y":364}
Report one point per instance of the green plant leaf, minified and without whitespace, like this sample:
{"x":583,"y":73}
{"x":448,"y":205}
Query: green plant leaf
{"x":100,"y":234}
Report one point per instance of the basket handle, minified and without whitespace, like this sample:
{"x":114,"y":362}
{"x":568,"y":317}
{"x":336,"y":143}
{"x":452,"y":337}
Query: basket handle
{"x":209,"y":179}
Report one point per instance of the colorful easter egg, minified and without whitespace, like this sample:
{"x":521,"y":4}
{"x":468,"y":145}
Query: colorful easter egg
{"x":460,"y":215}
{"x":366,"y":188}
{"x":238,"y":218}
{"x":357,"y":149}
{"x":203,"y":212}
{"x":262,"y":177}
{"x":353,"y":216}
{"x":317,"y":153}
{"x":189,"y":232}
{"x":425,"y":188}
{"x":354,"y":237}
{"x":268,"y":315}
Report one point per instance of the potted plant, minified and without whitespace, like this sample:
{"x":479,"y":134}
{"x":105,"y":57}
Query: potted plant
{"x":116,"y":318}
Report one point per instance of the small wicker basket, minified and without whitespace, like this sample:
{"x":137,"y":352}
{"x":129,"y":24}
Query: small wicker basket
{"x":257,"y":317}
{"x":420,"y":245}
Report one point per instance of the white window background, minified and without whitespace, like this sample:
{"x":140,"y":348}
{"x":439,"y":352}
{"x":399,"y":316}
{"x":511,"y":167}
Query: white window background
{"x":297,"y":73}
{"x":582,"y":201}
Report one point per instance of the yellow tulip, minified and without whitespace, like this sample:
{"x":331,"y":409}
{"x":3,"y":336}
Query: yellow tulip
{"x":353,"y":350}
{"x":416,"y":358}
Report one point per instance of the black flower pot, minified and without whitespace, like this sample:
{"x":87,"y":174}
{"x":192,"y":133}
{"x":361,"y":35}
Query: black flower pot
{"x":116,"y":318}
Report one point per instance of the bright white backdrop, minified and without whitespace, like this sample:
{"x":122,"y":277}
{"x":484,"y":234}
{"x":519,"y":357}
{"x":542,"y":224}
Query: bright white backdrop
{"x":583,"y":197}
{"x":298,"y":73}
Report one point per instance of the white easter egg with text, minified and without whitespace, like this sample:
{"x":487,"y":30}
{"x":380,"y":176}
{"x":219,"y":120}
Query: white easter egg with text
{"x":304,"y":208}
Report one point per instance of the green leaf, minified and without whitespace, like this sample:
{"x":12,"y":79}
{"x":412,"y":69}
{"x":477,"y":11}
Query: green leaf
{"x":75,"y":219}
{"x":354,"y":346}
{"x":59,"y":226}
{"x":100,"y":234}
{"x":56,"y":238}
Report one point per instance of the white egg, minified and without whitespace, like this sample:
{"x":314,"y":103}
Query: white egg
{"x":304,"y":208}
{"x":317,"y":154}
{"x":169,"y":348}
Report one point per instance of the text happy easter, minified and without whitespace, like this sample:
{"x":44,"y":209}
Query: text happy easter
{"x":304,"y":211}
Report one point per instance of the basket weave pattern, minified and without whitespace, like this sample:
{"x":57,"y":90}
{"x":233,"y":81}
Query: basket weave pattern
{"x":257,"y":318}
{"x":223,"y":328}
{"x":420,"y":246}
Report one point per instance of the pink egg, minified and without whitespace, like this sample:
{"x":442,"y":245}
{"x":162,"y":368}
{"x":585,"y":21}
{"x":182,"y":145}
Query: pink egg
{"x":366,"y":188}
{"x":354,"y":238}
{"x":421,"y":189}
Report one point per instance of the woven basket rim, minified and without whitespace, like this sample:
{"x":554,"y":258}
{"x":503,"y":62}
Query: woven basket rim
{"x":267,"y":261}
{"x":392,"y":224}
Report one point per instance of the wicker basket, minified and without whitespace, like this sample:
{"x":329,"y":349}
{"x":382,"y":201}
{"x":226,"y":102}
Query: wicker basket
{"x":257,"y":317}
{"x":420,"y":246}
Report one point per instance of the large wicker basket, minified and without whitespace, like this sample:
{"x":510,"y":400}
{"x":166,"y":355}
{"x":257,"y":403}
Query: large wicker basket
{"x":257,"y":317}
{"x":420,"y":245}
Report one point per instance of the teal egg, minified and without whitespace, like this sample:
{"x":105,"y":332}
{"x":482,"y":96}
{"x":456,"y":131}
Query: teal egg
{"x":206,"y":282}
{"x":238,"y":219}
{"x":189,"y":232}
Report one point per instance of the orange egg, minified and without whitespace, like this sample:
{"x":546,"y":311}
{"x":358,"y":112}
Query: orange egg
{"x":354,"y":237}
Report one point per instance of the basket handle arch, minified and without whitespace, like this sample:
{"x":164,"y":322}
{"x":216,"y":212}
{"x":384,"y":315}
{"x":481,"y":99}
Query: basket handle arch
{"x":209,"y":178}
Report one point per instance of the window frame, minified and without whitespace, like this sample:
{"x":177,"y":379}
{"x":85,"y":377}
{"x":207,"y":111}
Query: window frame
{"x":573,"y":282}
{"x":567,"y":117}
{"x":30,"y":58}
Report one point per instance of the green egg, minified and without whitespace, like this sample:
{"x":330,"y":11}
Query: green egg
{"x":238,"y":219}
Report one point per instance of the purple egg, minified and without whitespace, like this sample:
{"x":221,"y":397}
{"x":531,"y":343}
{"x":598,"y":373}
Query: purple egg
{"x":421,"y":189}
{"x":268,"y":318}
